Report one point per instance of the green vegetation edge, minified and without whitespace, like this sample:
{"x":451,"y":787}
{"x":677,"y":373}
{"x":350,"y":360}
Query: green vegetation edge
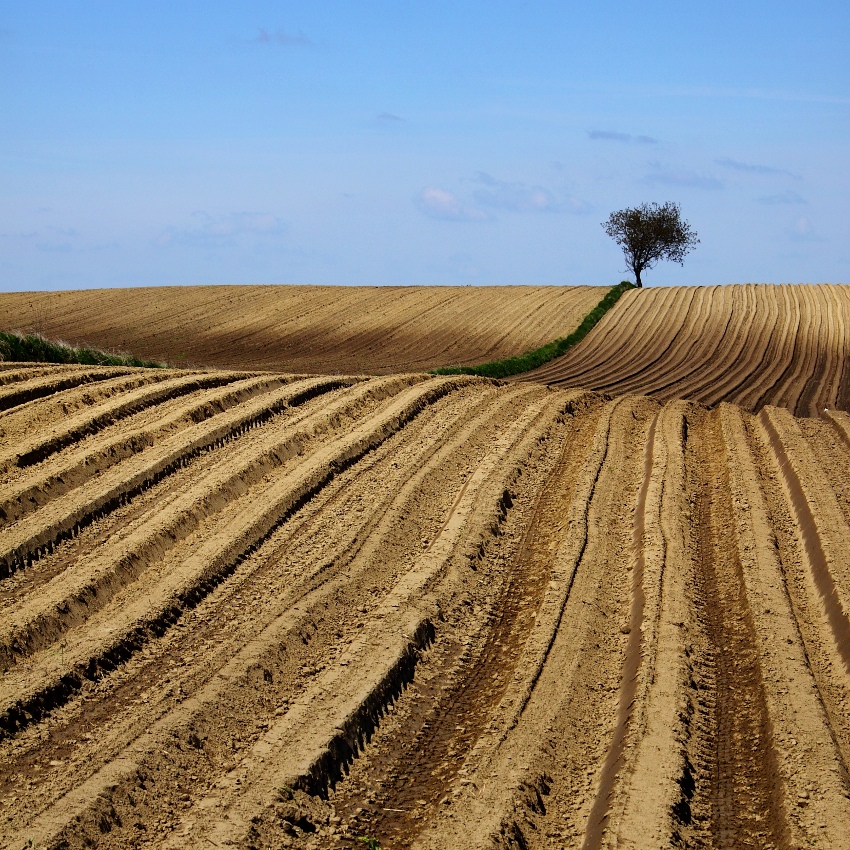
{"x":532,"y":359}
{"x":35,"y":348}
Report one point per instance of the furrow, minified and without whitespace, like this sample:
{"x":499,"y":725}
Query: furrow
{"x":307,"y":748}
{"x":530,"y":776}
{"x":22,"y":422}
{"x":26,"y":490}
{"x":23,"y":543}
{"x":62,"y":379}
{"x":414,"y":762}
{"x":823,"y":533}
{"x":737,"y":789}
{"x":139,"y":396}
{"x":311,"y":563}
{"x":308,"y":615}
{"x":810,"y":770}
{"x":105,"y":643}
{"x":651,"y":793}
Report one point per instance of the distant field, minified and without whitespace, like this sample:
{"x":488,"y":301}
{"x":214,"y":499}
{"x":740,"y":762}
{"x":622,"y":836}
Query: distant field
{"x":750,"y":344}
{"x":308,"y":329}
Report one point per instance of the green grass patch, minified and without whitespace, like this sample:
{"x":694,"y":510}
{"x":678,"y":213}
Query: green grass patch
{"x":35,"y":348}
{"x":532,"y":359}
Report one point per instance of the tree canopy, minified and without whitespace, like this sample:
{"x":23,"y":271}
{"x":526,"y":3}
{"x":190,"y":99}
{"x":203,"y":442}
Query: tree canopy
{"x":649,"y":233}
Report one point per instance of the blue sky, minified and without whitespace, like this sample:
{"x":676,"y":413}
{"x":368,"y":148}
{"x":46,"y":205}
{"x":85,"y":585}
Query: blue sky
{"x":408,"y":142}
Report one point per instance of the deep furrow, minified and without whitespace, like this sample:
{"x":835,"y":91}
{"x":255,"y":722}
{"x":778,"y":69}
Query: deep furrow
{"x":300,"y":614}
{"x":419,"y":760}
{"x":26,"y":490}
{"x":314,"y":740}
{"x":27,"y":697}
{"x":42,"y":386}
{"x":24,"y":543}
{"x":135,"y":399}
{"x":292,"y":582}
{"x":739,"y":793}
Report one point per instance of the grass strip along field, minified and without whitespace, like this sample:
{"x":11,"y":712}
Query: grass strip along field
{"x":539,"y":356}
{"x":27,"y":348}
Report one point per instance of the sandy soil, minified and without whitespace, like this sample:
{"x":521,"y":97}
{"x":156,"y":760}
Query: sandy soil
{"x":327,"y":329}
{"x":750,"y":345}
{"x":261,"y":611}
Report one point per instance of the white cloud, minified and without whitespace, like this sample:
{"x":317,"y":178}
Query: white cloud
{"x":802,"y":231}
{"x":628,"y":138}
{"x":211,"y":231}
{"x":283,"y":39}
{"x":786,"y":197}
{"x":681,"y":177}
{"x":521,"y":197}
{"x":517,"y":197}
{"x":751,"y":168}
{"x":438,"y":203}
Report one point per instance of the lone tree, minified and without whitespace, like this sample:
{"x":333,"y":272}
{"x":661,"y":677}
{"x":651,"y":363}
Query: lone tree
{"x":650,"y":233}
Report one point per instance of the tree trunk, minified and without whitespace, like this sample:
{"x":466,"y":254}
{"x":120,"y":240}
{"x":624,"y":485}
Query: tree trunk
{"x":637,"y":278}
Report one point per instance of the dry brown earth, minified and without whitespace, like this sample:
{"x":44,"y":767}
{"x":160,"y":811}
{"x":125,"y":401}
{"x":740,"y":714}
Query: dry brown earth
{"x":750,"y":344}
{"x":263,"y":611}
{"x":328,"y":329}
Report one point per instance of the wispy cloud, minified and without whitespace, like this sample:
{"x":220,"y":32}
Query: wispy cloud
{"x":786,"y":197}
{"x":221,"y":231}
{"x":438,"y":203}
{"x":521,"y":197}
{"x":283,"y":39}
{"x":514,"y":196}
{"x":681,"y":177}
{"x":802,"y":231}
{"x":49,"y":239}
{"x":627,"y":138}
{"x":389,"y":118}
{"x":750,"y":168}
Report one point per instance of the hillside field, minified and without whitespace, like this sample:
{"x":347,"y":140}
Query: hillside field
{"x":268,"y":610}
{"x":307,"y":329}
{"x":750,"y":344}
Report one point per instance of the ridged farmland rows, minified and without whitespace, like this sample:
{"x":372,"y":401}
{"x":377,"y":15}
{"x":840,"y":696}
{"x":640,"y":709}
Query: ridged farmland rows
{"x":25,"y":489}
{"x":179,"y":540}
{"x":310,"y":329}
{"x":610,"y":356}
{"x":753,"y":345}
{"x":40,"y":386}
{"x":737,"y":792}
{"x":546,"y":751}
{"x":418,"y":756}
{"x":821,"y":381}
{"x":322,"y":730}
{"x":266,"y":611}
{"x":663,"y":354}
{"x":129,"y":397}
{"x":780,"y":325}
{"x":448,"y":457}
{"x":811,"y":770}
{"x":813,"y":548}
{"x":51,"y":523}
{"x":731,"y":354}
{"x":28,"y":419}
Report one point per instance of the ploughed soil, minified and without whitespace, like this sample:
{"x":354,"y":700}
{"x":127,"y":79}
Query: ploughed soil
{"x":265,"y":610}
{"x":750,"y":344}
{"x":308,"y":329}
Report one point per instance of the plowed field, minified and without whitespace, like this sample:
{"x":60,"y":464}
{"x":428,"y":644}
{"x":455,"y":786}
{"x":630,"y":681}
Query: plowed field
{"x":328,"y":329}
{"x":262,"y":611}
{"x":751,"y":345}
